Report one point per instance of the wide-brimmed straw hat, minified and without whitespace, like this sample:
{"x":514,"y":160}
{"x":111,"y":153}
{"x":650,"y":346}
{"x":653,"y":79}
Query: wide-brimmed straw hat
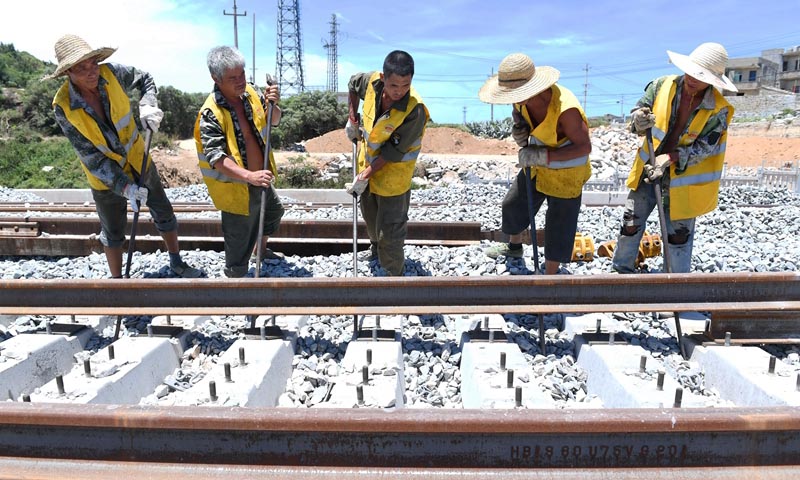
{"x":707,"y":64}
{"x":72,"y":49}
{"x":517,"y":80}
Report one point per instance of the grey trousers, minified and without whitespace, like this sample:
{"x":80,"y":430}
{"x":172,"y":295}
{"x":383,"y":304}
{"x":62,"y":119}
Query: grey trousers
{"x":240,"y":232}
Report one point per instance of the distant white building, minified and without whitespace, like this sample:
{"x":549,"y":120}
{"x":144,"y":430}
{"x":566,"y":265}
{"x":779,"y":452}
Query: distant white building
{"x":775,"y":70}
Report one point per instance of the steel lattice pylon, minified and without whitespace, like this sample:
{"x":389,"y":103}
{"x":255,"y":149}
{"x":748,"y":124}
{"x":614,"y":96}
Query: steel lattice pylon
{"x":289,"y":62}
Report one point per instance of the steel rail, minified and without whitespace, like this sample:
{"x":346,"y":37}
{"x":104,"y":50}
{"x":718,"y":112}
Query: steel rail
{"x":464,"y":439}
{"x":724,"y":292}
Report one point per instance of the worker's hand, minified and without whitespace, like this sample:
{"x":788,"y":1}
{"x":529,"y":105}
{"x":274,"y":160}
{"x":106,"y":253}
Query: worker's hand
{"x":520,"y":133}
{"x":653,"y":173}
{"x":642,"y":119}
{"x":353,"y":131}
{"x":260,"y":178}
{"x":358,"y":187}
{"x":150,"y":116}
{"x":533,"y":156}
{"x":272,"y":93}
{"x":136,"y":195}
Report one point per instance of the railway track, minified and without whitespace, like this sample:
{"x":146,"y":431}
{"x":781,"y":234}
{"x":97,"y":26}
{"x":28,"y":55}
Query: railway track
{"x":65,"y":439}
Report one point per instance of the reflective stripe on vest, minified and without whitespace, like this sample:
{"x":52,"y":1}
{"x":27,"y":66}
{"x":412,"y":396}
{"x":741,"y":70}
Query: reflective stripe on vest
{"x":559,"y":179}
{"x":229,"y":194}
{"x":122,"y":118}
{"x":394,"y":178}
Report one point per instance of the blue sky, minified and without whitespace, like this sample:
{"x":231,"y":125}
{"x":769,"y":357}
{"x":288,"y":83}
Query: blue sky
{"x":456,"y":44}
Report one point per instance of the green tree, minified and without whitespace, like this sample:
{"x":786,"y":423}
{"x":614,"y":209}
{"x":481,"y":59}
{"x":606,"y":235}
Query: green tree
{"x":37,"y":106}
{"x":180,"y":110}
{"x":308,"y":115}
{"x":19,"y":69}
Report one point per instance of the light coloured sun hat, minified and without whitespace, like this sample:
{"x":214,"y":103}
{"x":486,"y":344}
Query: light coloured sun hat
{"x":72,"y":49}
{"x":706,"y":63}
{"x":517,"y":80}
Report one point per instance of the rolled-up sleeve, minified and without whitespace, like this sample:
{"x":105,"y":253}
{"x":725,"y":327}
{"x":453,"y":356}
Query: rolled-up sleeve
{"x":212,"y":137}
{"x":358,"y":83}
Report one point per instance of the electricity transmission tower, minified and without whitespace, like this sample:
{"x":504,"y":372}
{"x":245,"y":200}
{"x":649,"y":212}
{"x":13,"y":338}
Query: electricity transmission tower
{"x":289,"y":62}
{"x":333,"y":54}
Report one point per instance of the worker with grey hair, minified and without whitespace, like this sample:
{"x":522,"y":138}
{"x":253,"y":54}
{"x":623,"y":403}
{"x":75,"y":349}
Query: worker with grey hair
{"x":231,"y":136}
{"x":94,"y":111}
{"x":688,"y":118}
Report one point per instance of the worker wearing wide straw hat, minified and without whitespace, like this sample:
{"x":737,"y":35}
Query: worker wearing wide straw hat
{"x":689,"y":121}
{"x":94,"y":112}
{"x":553,"y":133}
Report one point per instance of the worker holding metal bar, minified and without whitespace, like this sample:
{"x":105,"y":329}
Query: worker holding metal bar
{"x":231,"y":138}
{"x":689,"y":119}
{"x":552,"y":132}
{"x":394,"y":120}
{"x":94,"y":111}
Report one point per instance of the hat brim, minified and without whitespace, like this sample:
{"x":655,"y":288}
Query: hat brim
{"x":689,"y":67}
{"x":492,"y":92}
{"x":99,"y":53}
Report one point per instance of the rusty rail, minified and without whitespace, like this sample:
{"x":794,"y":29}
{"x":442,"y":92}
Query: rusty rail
{"x":466,"y":439}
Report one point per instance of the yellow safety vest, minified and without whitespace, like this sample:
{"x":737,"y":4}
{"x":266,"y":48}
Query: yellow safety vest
{"x":394,"y":178}
{"x":695,"y":191}
{"x":122,"y":118}
{"x":228,"y":194}
{"x":559,"y":179}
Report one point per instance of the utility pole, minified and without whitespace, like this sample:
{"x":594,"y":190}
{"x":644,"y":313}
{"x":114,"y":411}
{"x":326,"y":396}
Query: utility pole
{"x":491,"y":105}
{"x":333,"y":53}
{"x":235,"y":26}
{"x":622,"y":108}
{"x":465,"y":115}
{"x":585,"y":86}
{"x":253,"y":76}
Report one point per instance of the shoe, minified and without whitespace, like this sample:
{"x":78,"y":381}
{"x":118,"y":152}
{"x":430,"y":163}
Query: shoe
{"x":268,"y":254}
{"x":185,"y":271}
{"x":370,"y":255}
{"x":503,"y":250}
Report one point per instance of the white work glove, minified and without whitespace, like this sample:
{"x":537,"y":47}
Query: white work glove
{"x":357,"y":188}
{"x":533,"y":156}
{"x":136,"y":195}
{"x":353,"y":131}
{"x":521,"y":133}
{"x":653,"y":173}
{"x":642,"y":119}
{"x":150,"y":117}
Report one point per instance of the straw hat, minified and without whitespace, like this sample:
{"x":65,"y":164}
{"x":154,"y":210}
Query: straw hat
{"x":72,"y":49}
{"x":517,"y":80}
{"x":707,"y":64}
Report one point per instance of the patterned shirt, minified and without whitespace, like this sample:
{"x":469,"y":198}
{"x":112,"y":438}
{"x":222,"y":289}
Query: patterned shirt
{"x":215,"y":145}
{"x":707,"y":142}
{"x":105,"y":169}
{"x":411,"y":129}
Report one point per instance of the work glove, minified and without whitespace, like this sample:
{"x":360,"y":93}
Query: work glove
{"x":357,"y":188}
{"x":533,"y":156}
{"x":150,"y":117}
{"x":653,"y":173}
{"x":520,"y":133}
{"x":136,"y":195}
{"x":642,"y":119}
{"x":353,"y":131}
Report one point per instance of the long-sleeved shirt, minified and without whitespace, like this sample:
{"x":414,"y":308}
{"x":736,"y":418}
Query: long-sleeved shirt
{"x":707,"y":142}
{"x":215,"y":145}
{"x":407,"y":133}
{"x":105,"y":169}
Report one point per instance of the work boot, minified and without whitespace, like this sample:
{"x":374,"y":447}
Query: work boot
{"x":183,"y":270}
{"x":370,"y":255}
{"x":502,"y":249}
{"x":268,"y":254}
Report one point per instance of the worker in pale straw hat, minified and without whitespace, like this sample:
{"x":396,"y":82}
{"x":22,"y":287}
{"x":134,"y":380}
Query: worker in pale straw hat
{"x":552,"y":132}
{"x":93,"y":109}
{"x":689,"y":119}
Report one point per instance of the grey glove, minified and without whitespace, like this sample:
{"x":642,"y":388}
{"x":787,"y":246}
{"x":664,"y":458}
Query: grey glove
{"x":136,"y":195}
{"x":653,"y":173}
{"x":520,"y":133}
{"x":353,"y":131}
{"x":533,"y":156}
{"x":150,"y":116}
{"x":357,"y":188}
{"x":642,"y":119}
